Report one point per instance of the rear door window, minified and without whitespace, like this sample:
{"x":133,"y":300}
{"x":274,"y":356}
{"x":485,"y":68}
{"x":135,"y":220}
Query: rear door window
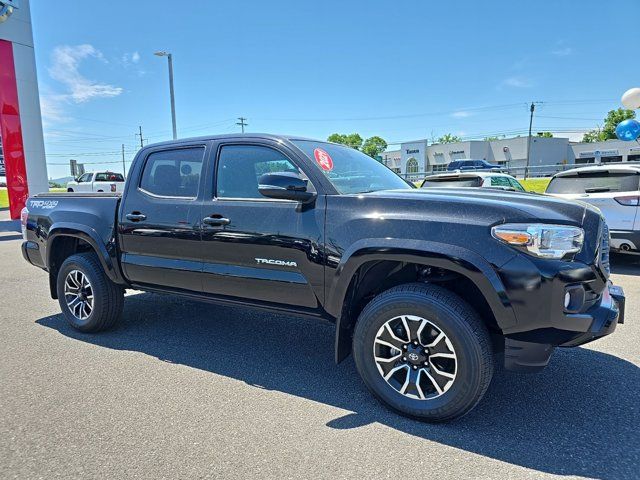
{"x":595,"y":182}
{"x":516,"y":185}
{"x":500,"y":182}
{"x":173,"y":173}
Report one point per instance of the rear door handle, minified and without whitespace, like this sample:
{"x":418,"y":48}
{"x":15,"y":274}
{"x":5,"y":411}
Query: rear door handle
{"x":216,"y":221}
{"x":136,"y":217}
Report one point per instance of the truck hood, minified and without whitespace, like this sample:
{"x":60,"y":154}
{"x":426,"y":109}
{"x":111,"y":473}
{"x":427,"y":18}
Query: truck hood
{"x":511,"y":204}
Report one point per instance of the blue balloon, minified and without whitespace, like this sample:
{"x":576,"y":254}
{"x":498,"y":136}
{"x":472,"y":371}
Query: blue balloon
{"x":628,"y":130}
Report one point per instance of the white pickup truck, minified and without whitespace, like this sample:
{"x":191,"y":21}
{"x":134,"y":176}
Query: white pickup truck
{"x":97,"y":182}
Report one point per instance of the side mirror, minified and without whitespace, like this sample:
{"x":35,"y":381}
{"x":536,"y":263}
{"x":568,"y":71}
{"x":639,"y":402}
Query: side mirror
{"x":285,"y":186}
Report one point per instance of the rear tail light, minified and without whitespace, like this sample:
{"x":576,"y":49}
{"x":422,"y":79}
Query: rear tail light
{"x":24,"y":217}
{"x":113,"y":187}
{"x":630,"y":200}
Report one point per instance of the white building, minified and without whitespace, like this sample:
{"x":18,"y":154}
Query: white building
{"x":415,"y":159}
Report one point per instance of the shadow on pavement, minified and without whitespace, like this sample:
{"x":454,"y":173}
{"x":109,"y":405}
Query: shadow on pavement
{"x":578,"y":417}
{"x":10,"y":226}
{"x":625,"y":264}
{"x":5,"y":238}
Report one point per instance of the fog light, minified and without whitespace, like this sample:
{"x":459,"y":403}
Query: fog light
{"x":574,"y":297}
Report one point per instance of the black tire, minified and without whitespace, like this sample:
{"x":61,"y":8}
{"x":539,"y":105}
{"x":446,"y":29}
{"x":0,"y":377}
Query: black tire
{"x":69,"y":190}
{"x":108,"y":298}
{"x":452,"y":316}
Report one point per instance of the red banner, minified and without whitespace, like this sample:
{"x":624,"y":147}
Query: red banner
{"x":11,"y":132}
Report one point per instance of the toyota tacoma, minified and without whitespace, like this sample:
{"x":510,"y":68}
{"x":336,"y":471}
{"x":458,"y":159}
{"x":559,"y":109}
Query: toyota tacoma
{"x":427,"y":288}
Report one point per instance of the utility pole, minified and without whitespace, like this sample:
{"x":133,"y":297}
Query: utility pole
{"x":140,"y":135}
{"x":124,"y":168}
{"x":532,"y":109}
{"x":242,"y":123}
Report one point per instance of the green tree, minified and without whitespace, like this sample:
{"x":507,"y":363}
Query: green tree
{"x":374,"y":146}
{"x":545,"y":134}
{"x":614,"y":117}
{"x":352,"y":140}
{"x":593,"y":136}
{"x":449,"y":138}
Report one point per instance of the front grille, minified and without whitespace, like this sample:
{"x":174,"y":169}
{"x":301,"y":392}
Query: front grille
{"x":604,"y":249}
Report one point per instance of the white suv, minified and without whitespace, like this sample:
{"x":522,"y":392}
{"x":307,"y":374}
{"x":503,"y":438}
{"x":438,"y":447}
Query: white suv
{"x":615,"y":190}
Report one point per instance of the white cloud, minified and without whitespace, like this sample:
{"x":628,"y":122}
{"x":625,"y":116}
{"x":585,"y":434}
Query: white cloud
{"x":51,"y":109}
{"x":461,"y":114}
{"x":517,"y":82}
{"x":562,"y":51}
{"x":65,"y":65}
{"x":130,"y":58}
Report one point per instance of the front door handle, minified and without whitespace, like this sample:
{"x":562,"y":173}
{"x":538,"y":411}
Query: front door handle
{"x":216,"y":221}
{"x":136,"y":217}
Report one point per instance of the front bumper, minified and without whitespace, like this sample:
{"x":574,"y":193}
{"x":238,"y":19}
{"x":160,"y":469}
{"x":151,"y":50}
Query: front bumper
{"x":526,"y":356}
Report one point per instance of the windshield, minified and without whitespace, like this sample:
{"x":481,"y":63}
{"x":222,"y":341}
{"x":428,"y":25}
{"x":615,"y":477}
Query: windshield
{"x":452,"y":182}
{"x":594,"y":182}
{"x":349,"y":170}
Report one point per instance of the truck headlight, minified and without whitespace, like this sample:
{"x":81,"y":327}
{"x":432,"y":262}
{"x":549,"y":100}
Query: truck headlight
{"x":541,"y":240}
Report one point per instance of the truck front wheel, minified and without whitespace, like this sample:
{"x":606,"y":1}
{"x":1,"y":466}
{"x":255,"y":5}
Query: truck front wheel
{"x":423,"y":351}
{"x":89,"y":300}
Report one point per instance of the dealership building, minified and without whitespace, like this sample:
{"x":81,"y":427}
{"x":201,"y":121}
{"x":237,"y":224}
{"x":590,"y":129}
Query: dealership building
{"x":20,"y":118}
{"x":548,"y":155}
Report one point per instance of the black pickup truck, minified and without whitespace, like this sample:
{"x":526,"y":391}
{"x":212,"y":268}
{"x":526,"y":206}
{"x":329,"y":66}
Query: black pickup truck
{"x":427,"y":288}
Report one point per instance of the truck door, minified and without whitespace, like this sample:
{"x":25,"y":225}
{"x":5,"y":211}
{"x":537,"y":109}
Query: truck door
{"x":160,"y":219}
{"x":85,"y":183}
{"x":254,"y":247}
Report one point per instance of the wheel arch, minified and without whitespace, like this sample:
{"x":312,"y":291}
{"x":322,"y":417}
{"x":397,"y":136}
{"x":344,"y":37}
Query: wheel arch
{"x":65,"y":239}
{"x":357,"y":269}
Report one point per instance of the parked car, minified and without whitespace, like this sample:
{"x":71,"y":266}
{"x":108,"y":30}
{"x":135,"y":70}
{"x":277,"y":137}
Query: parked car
{"x":423,"y":285}
{"x":97,"y":182}
{"x":497,"y":181}
{"x":463,"y":165}
{"x":615,"y":190}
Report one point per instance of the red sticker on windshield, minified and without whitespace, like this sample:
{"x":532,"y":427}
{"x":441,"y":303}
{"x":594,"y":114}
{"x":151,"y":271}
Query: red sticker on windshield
{"x":323,"y":159}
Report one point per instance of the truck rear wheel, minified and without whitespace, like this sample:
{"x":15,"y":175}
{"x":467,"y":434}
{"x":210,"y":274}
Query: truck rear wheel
{"x":424,"y":352}
{"x":89,"y":300}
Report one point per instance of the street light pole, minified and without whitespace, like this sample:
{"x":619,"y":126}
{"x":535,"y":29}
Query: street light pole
{"x":171,"y":92}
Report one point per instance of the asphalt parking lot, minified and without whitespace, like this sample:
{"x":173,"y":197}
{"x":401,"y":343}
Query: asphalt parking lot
{"x":187,"y":389}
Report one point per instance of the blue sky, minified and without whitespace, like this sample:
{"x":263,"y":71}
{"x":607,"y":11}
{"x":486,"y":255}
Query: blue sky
{"x":402,"y":70}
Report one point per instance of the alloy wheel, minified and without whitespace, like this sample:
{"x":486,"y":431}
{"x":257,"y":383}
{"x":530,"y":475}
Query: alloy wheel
{"x":78,"y":294}
{"x":415,"y":357}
